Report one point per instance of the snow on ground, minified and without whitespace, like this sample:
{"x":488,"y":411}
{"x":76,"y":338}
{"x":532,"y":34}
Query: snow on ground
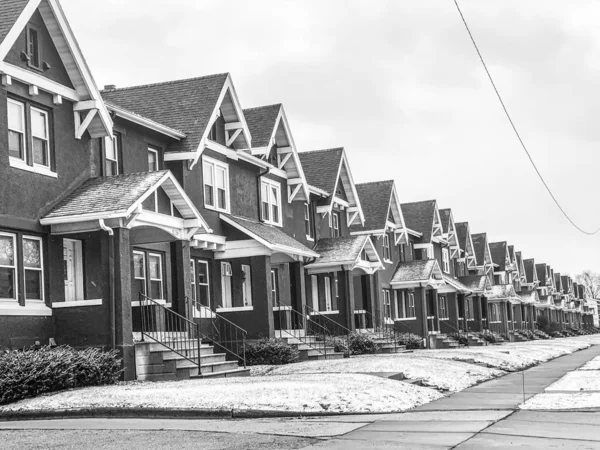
{"x":594,"y":364}
{"x":307,"y":393}
{"x":578,"y":380}
{"x":441,"y":374}
{"x":576,"y":400}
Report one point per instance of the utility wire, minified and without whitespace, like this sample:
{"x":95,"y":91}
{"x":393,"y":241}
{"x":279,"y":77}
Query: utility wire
{"x":515,"y":128}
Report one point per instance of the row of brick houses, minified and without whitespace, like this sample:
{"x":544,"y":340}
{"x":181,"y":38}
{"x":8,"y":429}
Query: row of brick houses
{"x":141,"y":210}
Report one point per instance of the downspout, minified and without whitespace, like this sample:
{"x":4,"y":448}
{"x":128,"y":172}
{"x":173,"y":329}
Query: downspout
{"x":111,"y":282}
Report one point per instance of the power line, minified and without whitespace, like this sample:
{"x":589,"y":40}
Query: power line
{"x":515,"y":128}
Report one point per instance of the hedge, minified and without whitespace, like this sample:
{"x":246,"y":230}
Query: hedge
{"x":270,"y":351}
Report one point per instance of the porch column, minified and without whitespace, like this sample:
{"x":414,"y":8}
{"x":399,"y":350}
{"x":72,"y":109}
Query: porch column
{"x":264,"y":324}
{"x":182,"y":279}
{"x":346,"y":307}
{"x":423,"y":295}
{"x":453,"y":298}
{"x":436,"y":312}
{"x":120,"y":256}
{"x":477,"y":312}
{"x":374,"y":300}
{"x":299,"y":294}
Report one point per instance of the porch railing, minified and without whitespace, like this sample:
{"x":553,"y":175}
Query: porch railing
{"x":432,"y":323}
{"x":219,"y":331}
{"x":446,"y":324}
{"x":382,"y":330}
{"x":315,"y":336}
{"x":333,"y":328}
{"x":175,"y":332}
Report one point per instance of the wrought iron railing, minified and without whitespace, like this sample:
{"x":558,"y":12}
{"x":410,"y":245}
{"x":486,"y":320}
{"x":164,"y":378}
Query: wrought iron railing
{"x":174,"y":331}
{"x":219,"y":331}
{"x":448,"y":326}
{"x":382,"y":330}
{"x":333,"y":328}
{"x":316,"y":337}
{"x":432,"y":323}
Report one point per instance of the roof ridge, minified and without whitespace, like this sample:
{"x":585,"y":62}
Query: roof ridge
{"x":374,"y":182}
{"x":264,"y":106}
{"x":323,"y":150}
{"x":421,"y":201}
{"x":164,"y":83}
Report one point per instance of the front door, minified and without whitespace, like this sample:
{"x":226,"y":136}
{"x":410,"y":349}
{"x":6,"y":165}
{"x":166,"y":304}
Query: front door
{"x":73,"y":270}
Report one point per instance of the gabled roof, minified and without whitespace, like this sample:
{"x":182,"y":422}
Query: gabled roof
{"x":481,"y":247}
{"x":564,"y":279}
{"x":529,"y":297}
{"x":271,"y":237}
{"x":499,"y":254}
{"x":520,"y":266}
{"x":502,"y":292}
{"x":378,"y":200}
{"x":558,"y":282}
{"x":427,"y":271}
{"x":449,"y":231}
{"x":421,"y":217}
{"x":530,"y":271}
{"x":477,"y":283}
{"x":465,"y":240}
{"x":541,"y":273}
{"x":511,"y":253}
{"x":325,"y":170}
{"x":262,"y":121}
{"x":345,"y":251}
{"x":445,"y":216}
{"x":14,"y":16}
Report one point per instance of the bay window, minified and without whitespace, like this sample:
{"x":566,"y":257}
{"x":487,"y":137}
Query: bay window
{"x":216,"y":184}
{"x":270,"y":198}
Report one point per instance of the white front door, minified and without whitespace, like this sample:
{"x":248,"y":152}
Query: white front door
{"x":73,"y":270}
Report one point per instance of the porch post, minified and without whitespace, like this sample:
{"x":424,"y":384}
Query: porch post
{"x":121,"y":256}
{"x":424,"y":316}
{"x":436,"y":312}
{"x":299,"y":295}
{"x":182,"y":280}
{"x":347,"y":305}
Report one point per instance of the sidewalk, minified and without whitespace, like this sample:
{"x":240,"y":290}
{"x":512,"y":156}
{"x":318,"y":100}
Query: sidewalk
{"x":485,"y":416}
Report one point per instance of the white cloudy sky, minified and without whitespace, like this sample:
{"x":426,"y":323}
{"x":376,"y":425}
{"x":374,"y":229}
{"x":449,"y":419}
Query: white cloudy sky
{"x":399,"y":85}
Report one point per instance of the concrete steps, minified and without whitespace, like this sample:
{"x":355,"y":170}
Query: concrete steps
{"x":155,"y":362}
{"x":309,"y":348}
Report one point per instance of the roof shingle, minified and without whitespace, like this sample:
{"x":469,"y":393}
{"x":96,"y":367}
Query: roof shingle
{"x":419,"y":216}
{"x":321,"y":167}
{"x":10,"y":10}
{"x":375,"y":201}
{"x":414,"y":271}
{"x":340,"y":249}
{"x":261,"y":123}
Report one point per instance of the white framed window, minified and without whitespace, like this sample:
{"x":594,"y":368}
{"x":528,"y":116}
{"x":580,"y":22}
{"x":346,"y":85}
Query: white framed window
{"x":314,"y":289}
{"x":73,"y":269}
{"x":275,"y":287}
{"x":335,"y":224}
{"x":387,"y":251}
{"x":200,"y":281}
{"x":16,"y":129}
{"x":216,"y":184}
{"x":308,"y":226}
{"x":139,"y":271}
{"x":33,"y":267}
{"x":443,"y":307}
{"x":111,"y":165}
{"x":246,"y":285}
{"x":411,"y":305}
{"x":226,"y":293}
{"x":33,"y":48}
{"x":405,"y":304}
{"x":155,"y":266}
{"x":328,"y":306}
{"x":40,"y":138}
{"x":270,"y":198}
{"x":387,"y":304}
{"x":153,"y":160}
{"x":445,"y":260}
{"x":336,"y":304}
{"x":193,"y":278}
{"x":430,"y":252}
{"x":8,"y":266}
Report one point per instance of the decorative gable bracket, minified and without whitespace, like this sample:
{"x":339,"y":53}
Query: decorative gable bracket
{"x":401,"y":236}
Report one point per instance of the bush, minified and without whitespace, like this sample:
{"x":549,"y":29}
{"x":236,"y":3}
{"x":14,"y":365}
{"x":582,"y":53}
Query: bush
{"x":339,"y":344}
{"x":490,"y":336}
{"x":270,"y":351}
{"x":362,"y":344}
{"x":542,"y":322}
{"x":461,"y":338}
{"x":29,"y":373}
{"x":411,"y":340}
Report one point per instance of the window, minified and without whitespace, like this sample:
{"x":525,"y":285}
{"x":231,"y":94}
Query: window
{"x":246,"y":285}
{"x":445,"y":260}
{"x":113,"y":148}
{"x":387,"y":305}
{"x":16,"y":129}
{"x":387,"y":253}
{"x":40,"y":137}
{"x":328,"y":294}
{"x":335,"y":224}
{"x":308,"y":222}
{"x":314,"y":289}
{"x":139,"y":271}
{"x":336,"y":297}
{"x":216,"y":184}
{"x":430,"y":252}
{"x":8,"y":266}
{"x":443,"y":306}
{"x":411,"y":305}
{"x":156,"y":276}
{"x":33,"y":47}
{"x":270,"y":197}
{"x":411,"y":251}
{"x":405,"y":304}
{"x":153,"y":160}
{"x":200,"y":282}
{"x":73,"y":269}
{"x":226,"y":294}
{"x":402,"y":253}
{"x":275,"y":287}
{"x":33,"y":267}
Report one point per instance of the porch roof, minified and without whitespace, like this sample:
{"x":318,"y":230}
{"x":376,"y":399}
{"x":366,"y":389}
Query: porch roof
{"x":477,"y":283}
{"x":269,"y":236}
{"x":529,"y":297}
{"x":457,"y":285}
{"x":413,"y":273}
{"x":503,"y":292}
{"x":346,"y":251}
{"x":120,"y":198}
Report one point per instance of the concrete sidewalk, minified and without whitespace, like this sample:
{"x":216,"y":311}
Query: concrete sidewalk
{"x":485,"y":416}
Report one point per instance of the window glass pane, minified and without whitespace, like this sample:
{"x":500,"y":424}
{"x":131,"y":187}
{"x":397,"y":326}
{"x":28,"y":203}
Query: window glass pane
{"x":39,"y":124}
{"x":221,"y":178}
{"x":138,"y":265}
{"x":111,"y":148}
{"x":209,"y":195}
{"x":208,"y":174}
{"x":31,"y":253}
{"x":15,"y":144}
{"x":202,"y":272}
{"x":33,"y":284}
{"x":7,"y":251}
{"x":156,"y":290}
{"x":40,"y":155}
{"x":203,"y":295}
{"x":222,"y":198}
{"x":152,"y":161}
{"x":140,"y":286}
{"x":155,"y":269}
{"x":15,"y":117}
{"x":111,"y":168}
{"x":7,"y":282}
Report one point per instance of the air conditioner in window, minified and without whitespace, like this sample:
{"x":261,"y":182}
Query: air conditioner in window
{"x":226,"y":269}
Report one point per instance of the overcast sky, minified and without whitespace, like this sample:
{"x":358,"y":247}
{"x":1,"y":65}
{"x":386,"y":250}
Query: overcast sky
{"x":399,"y":85}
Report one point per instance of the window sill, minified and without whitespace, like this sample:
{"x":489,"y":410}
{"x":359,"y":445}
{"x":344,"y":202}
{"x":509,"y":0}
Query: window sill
{"x":31,"y":309}
{"x":282,"y":308}
{"x":359,"y":311}
{"x":324,"y":313}
{"x":22,"y":165}
{"x":308,"y":238}
{"x":267,"y":222}
{"x":214,"y":208}
{"x":388,"y":261}
{"x":400,"y":319}
{"x":236,"y":309}
{"x":77,"y":303}
{"x":160,"y":302}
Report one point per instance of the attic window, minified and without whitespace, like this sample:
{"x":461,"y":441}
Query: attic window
{"x":33,"y":48}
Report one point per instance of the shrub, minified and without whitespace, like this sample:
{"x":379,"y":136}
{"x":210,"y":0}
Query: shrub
{"x":339,"y":344}
{"x":490,"y":336}
{"x":270,"y":351}
{"x":551,"y":327}
{"x":411,"y":340}
{"x":542,"y":322}
{"x":361,"y":344}
{"x":461,"y":338}
{"x":29,"y":373}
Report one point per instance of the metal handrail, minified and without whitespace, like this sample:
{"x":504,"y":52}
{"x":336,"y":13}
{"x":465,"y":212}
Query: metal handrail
{"x":380,"y":330}
{"x":333,"y":328}
{"x":221,"y":332}
{"x":166,"y":327}
{"x":311,"y":329}
{"x":455,"y":329}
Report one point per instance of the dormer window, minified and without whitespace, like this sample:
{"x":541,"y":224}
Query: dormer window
{"x":216,"y":184}
{"x":270,"y":197}
{"x":33,"y":48}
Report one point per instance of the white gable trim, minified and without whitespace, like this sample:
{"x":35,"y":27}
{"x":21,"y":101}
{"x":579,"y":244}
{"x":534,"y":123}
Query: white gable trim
{"x":354,"y":202}
{"x":282,"y":117}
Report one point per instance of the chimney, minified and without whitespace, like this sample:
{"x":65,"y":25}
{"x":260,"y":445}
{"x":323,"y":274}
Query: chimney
{"x":110,"y":87}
